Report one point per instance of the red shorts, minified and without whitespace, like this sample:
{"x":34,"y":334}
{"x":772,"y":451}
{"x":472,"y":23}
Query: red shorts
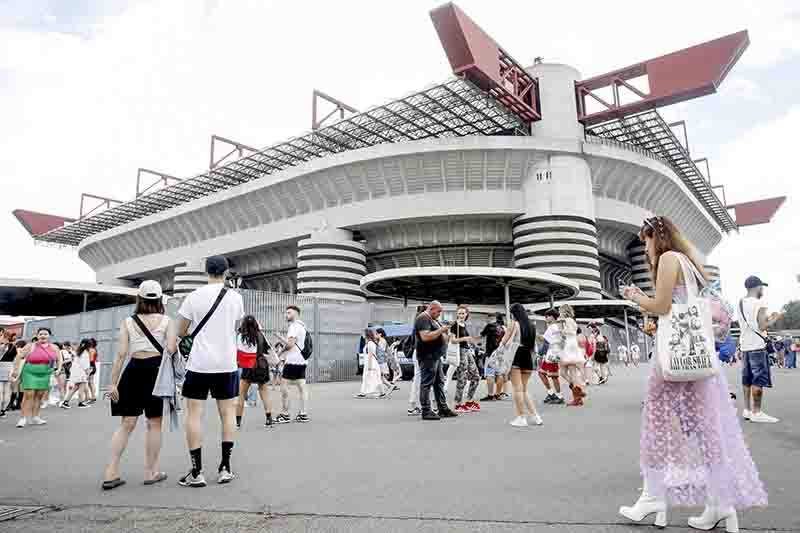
{"x":551,"y":369}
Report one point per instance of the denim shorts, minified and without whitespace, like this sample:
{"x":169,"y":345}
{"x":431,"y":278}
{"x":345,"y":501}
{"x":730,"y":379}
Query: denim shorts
{"x":755,"y":369}
{"x":489,"y":371}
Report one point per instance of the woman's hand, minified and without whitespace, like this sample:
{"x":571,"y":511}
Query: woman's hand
{"x":113,"y":393}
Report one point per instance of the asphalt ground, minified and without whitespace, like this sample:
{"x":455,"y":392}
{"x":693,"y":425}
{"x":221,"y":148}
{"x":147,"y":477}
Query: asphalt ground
{"x":363,"y":465}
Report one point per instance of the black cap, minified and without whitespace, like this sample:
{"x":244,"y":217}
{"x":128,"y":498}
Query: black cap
{"x":754,"y":281}
{"x":216,"y":265}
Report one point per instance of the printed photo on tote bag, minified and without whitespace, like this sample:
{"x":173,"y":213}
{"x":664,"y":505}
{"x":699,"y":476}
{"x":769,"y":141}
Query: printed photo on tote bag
{"x":686,"y":334}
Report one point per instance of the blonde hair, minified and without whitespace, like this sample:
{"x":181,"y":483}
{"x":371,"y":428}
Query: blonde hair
{"x":566,"y":310}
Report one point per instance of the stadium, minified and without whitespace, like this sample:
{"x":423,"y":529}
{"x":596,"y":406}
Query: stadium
{"x":499,"y":166}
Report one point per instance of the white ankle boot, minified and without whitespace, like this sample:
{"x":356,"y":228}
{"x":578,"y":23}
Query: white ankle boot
{"x":644,"y":507}
{"x":712,"y":516}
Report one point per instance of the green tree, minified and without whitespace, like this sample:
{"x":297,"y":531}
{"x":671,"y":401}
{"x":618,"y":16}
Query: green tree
{"x":791,"y":316}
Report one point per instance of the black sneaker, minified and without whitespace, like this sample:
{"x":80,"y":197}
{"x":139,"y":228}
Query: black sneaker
{"x":3,"y":413}
{"x":430,"y":415}
{"x":302,"y":417}
{"x":192,"y":481}
{"x":558,"y":400}
{"x":64,"y":405}
{"x":268,"y":423}
{"x":83,"y":405}
{"x":549,"y":398}
{"x":502,"y":396}
{"x":282,"y":418}
{"x":446,"y":412}
{"x":489,"y":398}
{"x":416,"y":411}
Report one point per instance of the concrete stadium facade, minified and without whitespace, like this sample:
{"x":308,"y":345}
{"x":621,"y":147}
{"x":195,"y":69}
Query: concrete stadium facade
{"x":556,"y":201}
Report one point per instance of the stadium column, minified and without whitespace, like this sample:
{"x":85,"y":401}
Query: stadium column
{"x":640,"y":271}
{"x":558,"y":232}
{"x":189,"y":276}
{"x":330,"y":264}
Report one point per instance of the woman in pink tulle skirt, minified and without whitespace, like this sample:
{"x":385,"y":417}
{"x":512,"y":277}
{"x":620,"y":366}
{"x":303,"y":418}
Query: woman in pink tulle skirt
{"x":692,"y":451}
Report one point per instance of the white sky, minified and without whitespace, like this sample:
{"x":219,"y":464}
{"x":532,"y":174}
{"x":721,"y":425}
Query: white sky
{"x":89,"y":96}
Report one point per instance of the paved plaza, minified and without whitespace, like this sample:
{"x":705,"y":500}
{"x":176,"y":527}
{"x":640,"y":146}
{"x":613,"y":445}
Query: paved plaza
{"x":363,"y":465}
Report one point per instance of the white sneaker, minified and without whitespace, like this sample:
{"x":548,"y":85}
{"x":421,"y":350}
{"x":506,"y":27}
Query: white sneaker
{"x":746,"y":414}
{"x":22,"y":422}
{"x":535,"y":420}
{"x":763,"y":417}
{"x":37,"y":421}
{"x":520,"y":422}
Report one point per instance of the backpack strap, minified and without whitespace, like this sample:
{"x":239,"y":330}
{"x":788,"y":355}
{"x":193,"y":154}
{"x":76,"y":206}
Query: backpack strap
{"x":210,"y":312}
{"x":146,"y":331}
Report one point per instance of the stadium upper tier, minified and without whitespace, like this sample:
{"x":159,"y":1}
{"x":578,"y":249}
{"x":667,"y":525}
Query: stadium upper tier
{"x":455,"y":108}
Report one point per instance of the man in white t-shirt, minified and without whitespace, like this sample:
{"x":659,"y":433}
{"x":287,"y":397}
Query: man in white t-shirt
{"x":211,"y":367}
{"x":756,"y":376}
{"x":294,"y":368}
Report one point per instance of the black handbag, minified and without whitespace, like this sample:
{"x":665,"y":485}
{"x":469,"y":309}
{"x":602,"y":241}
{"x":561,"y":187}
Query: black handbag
{"x":261,"y":360}
{"x":185,"y":344}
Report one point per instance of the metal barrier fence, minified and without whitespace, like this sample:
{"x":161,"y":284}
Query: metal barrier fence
{"x":335,"y":327}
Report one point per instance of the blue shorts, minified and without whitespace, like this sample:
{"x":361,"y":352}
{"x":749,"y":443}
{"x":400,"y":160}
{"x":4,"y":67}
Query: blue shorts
{"x":755,"y":369}
{"x":489,"y":371}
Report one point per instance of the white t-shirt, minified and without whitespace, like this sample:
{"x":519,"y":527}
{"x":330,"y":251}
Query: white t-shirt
{"x":214,"y":348}
{"x":297,"y":330}
{"x":555,"y":339}
{"x":749,"y":339}
{"x":66,"y":356}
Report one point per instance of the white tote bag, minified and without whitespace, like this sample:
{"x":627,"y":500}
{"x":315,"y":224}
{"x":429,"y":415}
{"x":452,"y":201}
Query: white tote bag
{"x":453,"y":354}
{"x":686,"y":334}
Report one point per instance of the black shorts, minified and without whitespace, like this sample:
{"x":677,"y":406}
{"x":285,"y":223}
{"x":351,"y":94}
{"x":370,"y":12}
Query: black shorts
{"x":523,"y":359}
{"x":67,"y":370}
{"x":255,"y":375}
{"x":221,"y":385}
{"x":294,"y":371}
{"x":136,"y":390}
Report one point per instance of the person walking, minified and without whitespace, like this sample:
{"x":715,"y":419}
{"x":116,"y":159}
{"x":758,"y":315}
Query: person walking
{"x":383,"y":359}
{"x":215,"y":313}
{"x":294,"y":370}
{"x":91,"y":385}
{"x":66,"y":358}
{"x":371,"y":379}
{"x":602,"y":350}
{"x":35,"y":364}
{"x":431,"y":342}
{"x":79,"y":377}
{"x":587,"y":346}
{"x":252,"y":357}
{"x":572,"y":357}
{"x":550,"y":353}
{"x":8,"y":354}
{"x":467,"y":368}
{"x":756,"y":373}
{"x":636,"y":355}
{"x":410,"y":346}
{"x":523,"y":331}
{"x":493,"y":332}
{"x":692,"y":451}
{"x":142,"y":340}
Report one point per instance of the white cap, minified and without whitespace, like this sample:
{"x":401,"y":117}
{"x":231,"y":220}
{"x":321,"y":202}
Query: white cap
{"x":150,"y":289}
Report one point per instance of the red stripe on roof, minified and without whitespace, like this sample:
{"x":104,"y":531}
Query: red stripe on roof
{"x":40,"y":223}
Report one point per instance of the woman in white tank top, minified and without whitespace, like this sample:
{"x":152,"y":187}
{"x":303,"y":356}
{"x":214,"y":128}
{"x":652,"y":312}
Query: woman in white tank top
{"x":133,"y":378}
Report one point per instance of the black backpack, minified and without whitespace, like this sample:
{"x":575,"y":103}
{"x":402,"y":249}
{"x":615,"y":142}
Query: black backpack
{"x":308,"y":346}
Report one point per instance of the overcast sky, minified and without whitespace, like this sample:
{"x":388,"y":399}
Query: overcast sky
{"x":91,"y":90}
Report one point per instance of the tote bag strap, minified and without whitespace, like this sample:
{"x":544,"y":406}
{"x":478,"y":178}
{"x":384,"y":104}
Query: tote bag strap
{"x":691,"y":277}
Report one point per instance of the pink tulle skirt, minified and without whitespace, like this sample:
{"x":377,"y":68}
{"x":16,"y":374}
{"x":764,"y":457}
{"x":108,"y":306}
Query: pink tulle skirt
{"x":692,"y":450}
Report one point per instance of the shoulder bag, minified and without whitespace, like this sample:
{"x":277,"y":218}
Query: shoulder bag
{"x":185,"y":344}
{"x":686,"y":334}
{"x":770,"y":346}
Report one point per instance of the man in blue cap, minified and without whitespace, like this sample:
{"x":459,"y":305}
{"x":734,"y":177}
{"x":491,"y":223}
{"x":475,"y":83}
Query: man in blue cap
{"x":756,"y":376}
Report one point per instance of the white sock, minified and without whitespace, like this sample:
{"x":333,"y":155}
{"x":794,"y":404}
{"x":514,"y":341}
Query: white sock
{"x":550,"y":392}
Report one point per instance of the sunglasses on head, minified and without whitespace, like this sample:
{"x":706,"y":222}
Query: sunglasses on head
{"x":656,"y":224}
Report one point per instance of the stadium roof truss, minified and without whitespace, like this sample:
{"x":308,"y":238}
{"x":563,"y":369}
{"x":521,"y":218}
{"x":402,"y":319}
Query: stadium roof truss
{"x":455,"y":108}
{"x":649,"y":131}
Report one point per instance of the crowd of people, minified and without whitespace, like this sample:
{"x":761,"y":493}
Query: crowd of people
{"x":692,"y":451}
{"x":41,"y":372}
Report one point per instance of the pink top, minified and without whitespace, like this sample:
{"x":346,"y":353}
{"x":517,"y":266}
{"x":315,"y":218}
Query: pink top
{"x":41,"y":355}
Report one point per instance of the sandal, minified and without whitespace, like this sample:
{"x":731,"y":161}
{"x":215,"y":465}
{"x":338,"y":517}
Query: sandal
{"x":160,"y":476}
{"x":113,"y":484}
